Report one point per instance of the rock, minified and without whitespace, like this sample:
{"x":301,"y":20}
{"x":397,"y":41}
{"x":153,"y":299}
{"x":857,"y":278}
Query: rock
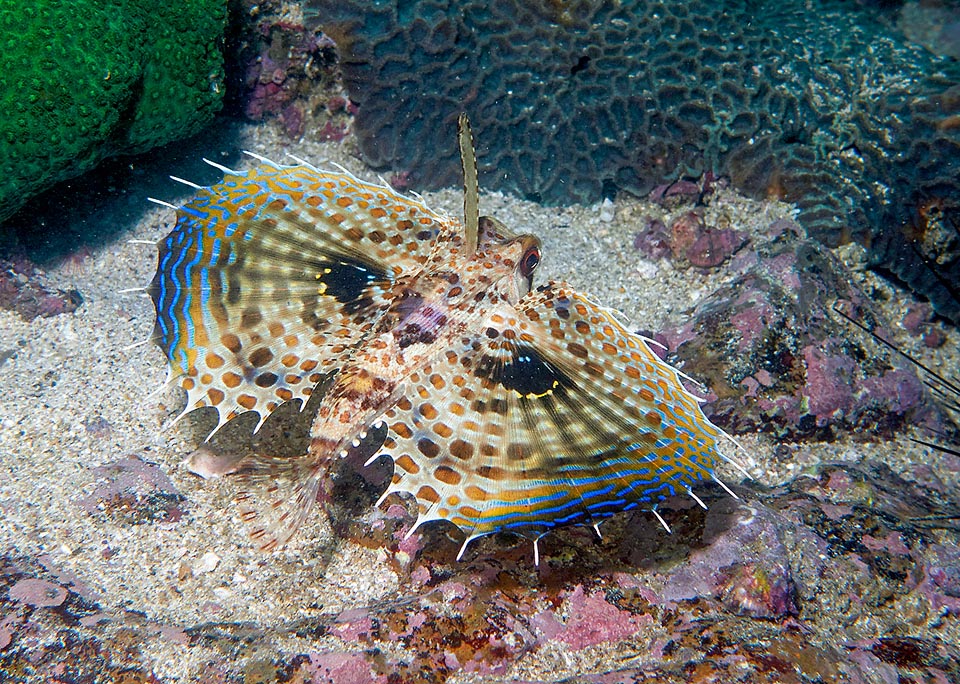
{"x":573,"y":102}
{"x":777,"y":358}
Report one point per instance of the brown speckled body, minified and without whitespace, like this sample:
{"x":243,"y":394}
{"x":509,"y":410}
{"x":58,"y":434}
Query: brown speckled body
{"x":506,"y":408}
{"x":427,"y":312}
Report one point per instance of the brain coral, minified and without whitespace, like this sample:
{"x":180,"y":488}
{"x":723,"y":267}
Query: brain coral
{"x":80,"y":81}
{"x":813,"y":101}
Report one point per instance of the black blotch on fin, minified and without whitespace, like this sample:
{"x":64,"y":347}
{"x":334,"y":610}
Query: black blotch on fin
{"x":526,"y":372}
{"x":347,"y":282}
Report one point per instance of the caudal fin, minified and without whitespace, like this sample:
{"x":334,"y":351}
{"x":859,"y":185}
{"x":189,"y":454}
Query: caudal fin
{"x":277,"y":496}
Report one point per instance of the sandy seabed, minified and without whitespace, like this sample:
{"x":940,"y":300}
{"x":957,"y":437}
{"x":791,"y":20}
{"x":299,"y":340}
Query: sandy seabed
{"x":79,"y":392}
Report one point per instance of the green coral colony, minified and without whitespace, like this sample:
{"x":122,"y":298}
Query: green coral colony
{"x":82,"y":81}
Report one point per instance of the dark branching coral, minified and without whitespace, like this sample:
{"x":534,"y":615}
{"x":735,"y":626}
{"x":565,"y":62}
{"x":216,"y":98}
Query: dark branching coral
{"x":818,"y":103}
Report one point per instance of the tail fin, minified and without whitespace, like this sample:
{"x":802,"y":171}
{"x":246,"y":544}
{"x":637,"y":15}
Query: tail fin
{"x":277,"y":497}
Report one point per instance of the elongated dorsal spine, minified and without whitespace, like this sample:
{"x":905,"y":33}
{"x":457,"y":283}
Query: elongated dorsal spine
{"x":471,"y":186}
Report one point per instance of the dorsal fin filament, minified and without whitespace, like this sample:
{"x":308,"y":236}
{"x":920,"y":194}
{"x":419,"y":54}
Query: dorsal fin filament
{"x":471,"y":186}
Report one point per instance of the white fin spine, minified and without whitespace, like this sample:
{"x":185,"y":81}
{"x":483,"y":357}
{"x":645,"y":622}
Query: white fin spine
{"x":221,"y":167}
{"x":697,"y":499}
{"x":262,"y":159}
{"x":261,"y":421}
{"x":740,"y":447}
{"x":413,"y":528}
{"x":650,"y":340}
{"x":383,"y":497}
{"x":345,"y":171}
{"x":162,"y":204}
{"x":699,"y":385}
{"x":304,"y":162}
{"x":186,"y":182}
{"x":170,"y":424}
{"x":422,"y":519}
{"x":661,"y":520}
{"x":725,"y":487}
{"x":135,"y":345}
{"x":466,"y":543}
{"x":167,"y":384}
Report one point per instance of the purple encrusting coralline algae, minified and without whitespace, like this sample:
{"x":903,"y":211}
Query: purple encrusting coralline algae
{"x":812,"y":578}
{"x":776,"y":358}
{"x":23,"y":289}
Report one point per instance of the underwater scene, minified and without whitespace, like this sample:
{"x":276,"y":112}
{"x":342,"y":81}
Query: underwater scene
{"x":465,"y":341}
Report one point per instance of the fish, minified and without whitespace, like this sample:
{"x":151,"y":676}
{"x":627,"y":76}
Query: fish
{"x":506,"y":406}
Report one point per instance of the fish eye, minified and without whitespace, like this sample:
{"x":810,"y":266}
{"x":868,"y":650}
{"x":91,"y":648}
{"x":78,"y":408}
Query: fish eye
{"x":530,"y":260}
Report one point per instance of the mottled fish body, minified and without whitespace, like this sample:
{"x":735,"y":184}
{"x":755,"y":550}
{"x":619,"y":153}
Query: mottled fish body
{"x":508,"y":407}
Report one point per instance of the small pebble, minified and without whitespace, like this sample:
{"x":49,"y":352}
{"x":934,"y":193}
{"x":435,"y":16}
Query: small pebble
{"x":207,"y":563}
{"x":647,"y":269}
{"x":607,"y":211}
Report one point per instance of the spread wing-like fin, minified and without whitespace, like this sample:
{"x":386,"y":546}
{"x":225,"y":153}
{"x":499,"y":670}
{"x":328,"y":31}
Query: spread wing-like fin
{"x":271,"y":277}
{"x":277,"y":497}
{"x":551,"y":414}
